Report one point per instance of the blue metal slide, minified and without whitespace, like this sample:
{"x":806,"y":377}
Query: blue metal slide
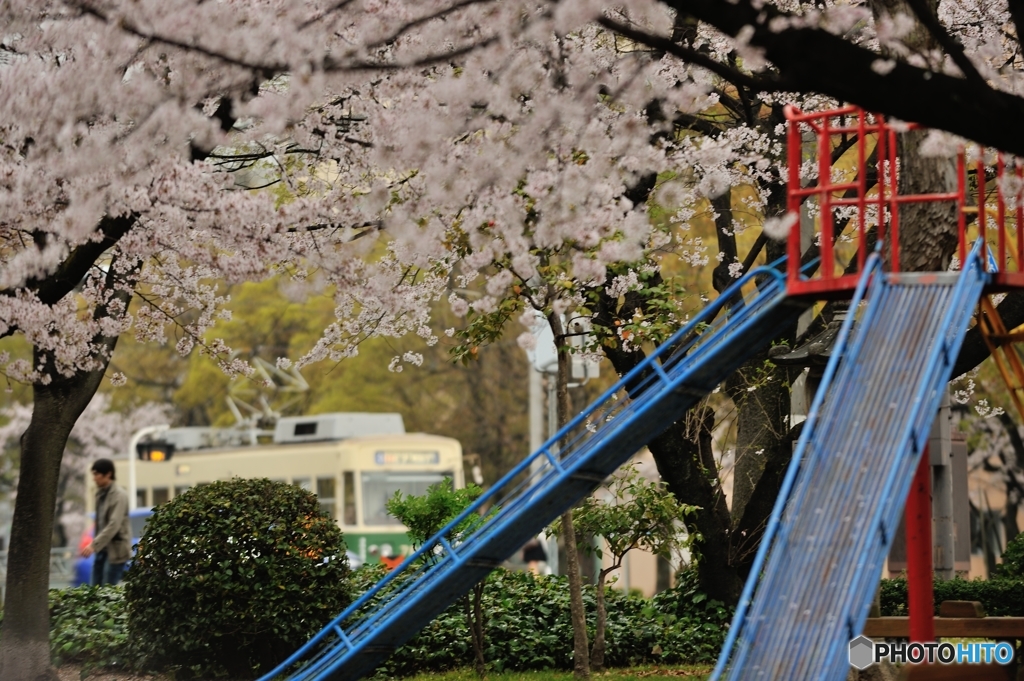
{"x":570,"y":465}
{"x":818,"y":565}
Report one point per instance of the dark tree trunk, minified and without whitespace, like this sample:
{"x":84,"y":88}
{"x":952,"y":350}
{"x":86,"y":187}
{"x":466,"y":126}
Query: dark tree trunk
{"x":759,"y":389}
{"x":580,"y":652}
{"x":928,"y":232}
{"x":25,"y":633}
{"x":57,"y":404}
{"x":581,"y":649}
{"x":475,"y":622}
{"x":686,"y":463}
{"x":1012,"y":477}
{"x":927,"y":235}
{"x":597,"y":652}
{"x":760,"y":392}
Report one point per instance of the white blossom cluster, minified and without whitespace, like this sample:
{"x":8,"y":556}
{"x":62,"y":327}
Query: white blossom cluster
{"x":384,"y":152}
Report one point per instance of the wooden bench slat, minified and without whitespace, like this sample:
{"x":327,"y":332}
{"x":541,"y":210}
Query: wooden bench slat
{"x":947,"y":627}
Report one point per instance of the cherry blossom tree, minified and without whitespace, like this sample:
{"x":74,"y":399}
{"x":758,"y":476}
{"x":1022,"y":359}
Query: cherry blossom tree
{"x":411,"y":150}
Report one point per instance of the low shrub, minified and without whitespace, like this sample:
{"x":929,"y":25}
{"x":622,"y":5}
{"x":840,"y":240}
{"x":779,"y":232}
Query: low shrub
{"x":231,"y":577}
{"x":1000,"y":597}
{"x":697,"y":632}
{"x":528,"y":628}
{"x":88,"y":626}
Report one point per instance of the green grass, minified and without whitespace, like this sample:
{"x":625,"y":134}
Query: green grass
{"x":645,"y":672}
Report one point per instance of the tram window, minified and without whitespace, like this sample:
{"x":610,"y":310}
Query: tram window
{"x":160,"y":495}
{"x":325,"y":491}
{"x":181,"y":489}
{"x":140,"y":497}
{"x":349,"y":497}
{"x":304,"y":483}
{"x":379,"y":487}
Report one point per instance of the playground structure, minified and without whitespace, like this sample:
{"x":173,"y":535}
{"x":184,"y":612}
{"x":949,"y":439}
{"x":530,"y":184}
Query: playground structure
{"x":817,"y":567}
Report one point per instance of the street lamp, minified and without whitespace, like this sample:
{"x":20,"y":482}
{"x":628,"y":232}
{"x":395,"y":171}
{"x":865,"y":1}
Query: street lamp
{"x":133,"y":454}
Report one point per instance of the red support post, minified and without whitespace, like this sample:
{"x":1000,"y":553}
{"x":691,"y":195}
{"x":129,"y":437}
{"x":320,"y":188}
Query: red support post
{"x":862,"y":189}
{"x":1019,"y":219}
{"x":894,"y":206}
{"x":881,"y":163}
{"x":979,"y":170}
{"x":828,"y":270}
{"x":1001,"y":212}
{"x":920,"y":597}
{"x":961,"y":203}
{"x":793,"y":159}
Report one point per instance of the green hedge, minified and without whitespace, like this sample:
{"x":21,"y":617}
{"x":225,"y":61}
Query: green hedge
{"x":89,"y":626}
{"x":528,"y":627}
{"x":999,"y":597}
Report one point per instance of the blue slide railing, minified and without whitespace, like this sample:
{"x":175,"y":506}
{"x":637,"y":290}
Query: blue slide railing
{"x":566,"y":468}
{"x":816,"y":571}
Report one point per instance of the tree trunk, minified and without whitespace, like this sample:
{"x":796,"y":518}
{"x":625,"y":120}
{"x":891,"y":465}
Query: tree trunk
{"x":478,"y":622}
{"x":928,"y":234}
{"x":25,"y":633}
{"x":686,"y":463}
{"x":475,"y":622}
{"x":760,"y":391}
{"x":1012,"y":477}
{"x":581,"y":652}
{"x":56,"y":406}
{"x":597,"y":653}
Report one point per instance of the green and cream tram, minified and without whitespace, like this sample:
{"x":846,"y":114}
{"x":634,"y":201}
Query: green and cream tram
{"x":353,"y":462}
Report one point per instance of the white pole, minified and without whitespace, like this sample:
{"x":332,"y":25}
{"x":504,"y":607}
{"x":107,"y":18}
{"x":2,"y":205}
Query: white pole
{"x":552,"y":547}
{"x":132,"y":455}
{"x":536,"y":412}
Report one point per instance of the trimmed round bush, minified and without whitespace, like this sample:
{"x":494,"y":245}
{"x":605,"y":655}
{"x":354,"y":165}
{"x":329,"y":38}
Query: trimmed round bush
{"x":231,"y":577}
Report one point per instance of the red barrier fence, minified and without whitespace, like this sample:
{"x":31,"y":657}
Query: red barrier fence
{"x":844,"y":179}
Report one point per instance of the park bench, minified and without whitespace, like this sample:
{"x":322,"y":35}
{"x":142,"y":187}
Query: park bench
{"x":957,"y":619}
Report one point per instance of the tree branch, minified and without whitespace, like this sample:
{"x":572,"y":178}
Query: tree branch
{"x":52,"y":288}
{"x":734,"y":76}
{"x":950,"y":44}
{"x":704,"y":126}
{"x":413,"y":23}
{"x":266,"y":71}
{"x":813,"y":60}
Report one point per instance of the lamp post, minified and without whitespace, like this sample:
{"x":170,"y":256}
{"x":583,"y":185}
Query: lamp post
{"x":133,"y":455}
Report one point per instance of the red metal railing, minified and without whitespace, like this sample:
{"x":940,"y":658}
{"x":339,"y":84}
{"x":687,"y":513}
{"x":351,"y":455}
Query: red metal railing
{"x":850,"y":147}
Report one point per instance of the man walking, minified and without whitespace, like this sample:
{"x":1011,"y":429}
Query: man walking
{"x":112,"y":541}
